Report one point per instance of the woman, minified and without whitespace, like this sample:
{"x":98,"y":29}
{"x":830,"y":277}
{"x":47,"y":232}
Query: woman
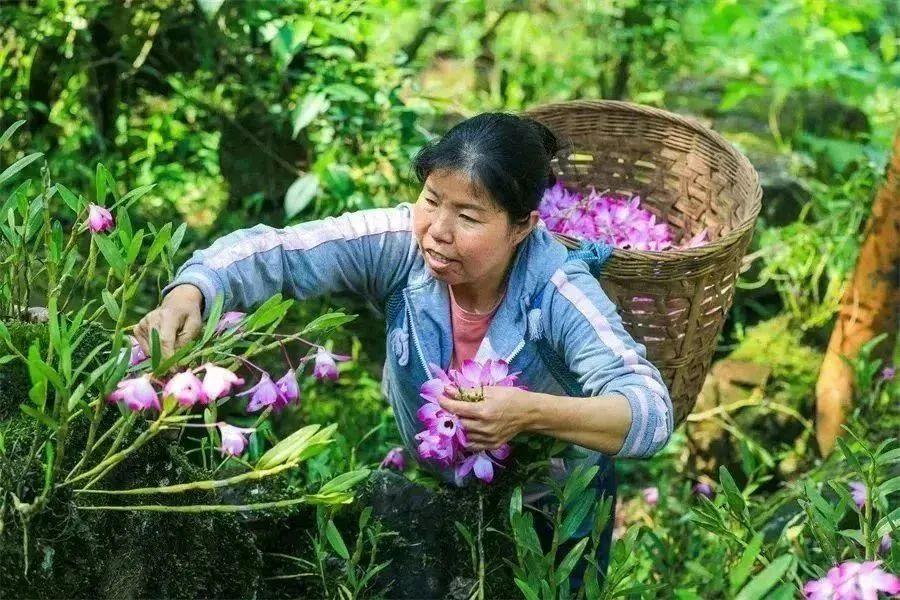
{"x":467,"y":272}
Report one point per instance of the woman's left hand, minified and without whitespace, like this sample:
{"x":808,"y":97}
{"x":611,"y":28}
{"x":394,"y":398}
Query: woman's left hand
{"x":495,"y":420}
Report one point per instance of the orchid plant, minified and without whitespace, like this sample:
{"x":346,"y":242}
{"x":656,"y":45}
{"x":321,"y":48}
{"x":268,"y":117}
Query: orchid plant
{"x":55,"y":246}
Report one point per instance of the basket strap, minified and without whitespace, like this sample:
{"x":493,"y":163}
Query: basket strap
{"x":595,"y":254}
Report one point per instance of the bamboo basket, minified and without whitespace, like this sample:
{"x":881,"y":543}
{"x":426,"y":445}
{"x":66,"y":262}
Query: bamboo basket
{"x":673,"y":302}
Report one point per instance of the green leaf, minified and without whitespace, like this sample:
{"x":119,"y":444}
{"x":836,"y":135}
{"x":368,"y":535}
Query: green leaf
{"x":889,"y":457}
{"x":134,"y":195}
{"x":210,"y":7}
{"x":849,"y":455}
{"x":344,"y":481}
{"x":769,"y":576}
{"x":135,"y":247}
{"x":36,"y":365}
{"x":155,"y":349}
{"x":39,"y":415}
{"x":176,"y":239}
{"x":212,"y":320}
{"x":300,"y":194}
{"x":327,"y":322}
{"x":288,"y":40}
{"x":888,"y":523}
{"x":110,"y":304}
{"x":111,"y":253}
{"x":311,"y":107}
{"x":270,"y":311}
{"x":281,"y":451}
{"x":334,"y":538}
{"x":741,"y":571}
{"x":578,"y":481}
{"x":526,"y":590}
{"x":347,"y":92}
{"x":159,"y":242}
{"x":100,"y":180}
{"x":732,"y":494}
{"x":10,"y":131}
{"x":18,"y":166}
{"x":576,"y":514}
{"x":568,"y":563}
{"x":890,"y":486}
{"x":515,"y":503}
{"x":71,"y":200}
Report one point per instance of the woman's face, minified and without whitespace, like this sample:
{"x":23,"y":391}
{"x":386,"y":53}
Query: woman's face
{"x":464,"y":238}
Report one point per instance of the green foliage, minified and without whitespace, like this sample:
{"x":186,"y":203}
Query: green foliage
{"x":219,"y":114}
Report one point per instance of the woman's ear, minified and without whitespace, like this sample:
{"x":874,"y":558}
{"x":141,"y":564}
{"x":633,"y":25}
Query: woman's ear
{"x":524,"y":229}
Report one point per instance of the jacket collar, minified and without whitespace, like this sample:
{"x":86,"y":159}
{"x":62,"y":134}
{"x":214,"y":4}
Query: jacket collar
{"x":535,"y":261}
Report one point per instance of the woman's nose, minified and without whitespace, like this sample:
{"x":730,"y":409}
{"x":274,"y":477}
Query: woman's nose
{"x":441,"y":228}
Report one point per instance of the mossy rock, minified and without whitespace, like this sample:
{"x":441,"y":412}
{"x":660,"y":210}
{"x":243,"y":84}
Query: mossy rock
{"x":110,"y":554}
{"x":14,"y":380}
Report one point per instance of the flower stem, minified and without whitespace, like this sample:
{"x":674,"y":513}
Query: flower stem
{"x":198,"y":508}
{"x":209,"y":484}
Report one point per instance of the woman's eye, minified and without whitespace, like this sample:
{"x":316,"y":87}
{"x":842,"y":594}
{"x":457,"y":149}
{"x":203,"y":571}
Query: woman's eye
{"x":430,"y":202}
{"x":468,"y":218}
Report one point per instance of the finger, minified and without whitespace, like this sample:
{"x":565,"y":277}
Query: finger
{"x":451,"y":391}
{"x":477,"y":445}
{"x":169,"y":325}
{"x":138,"y":334}
{"x":190,"y":330}
{"x":142,"y":333}
{"x":458,"y":407}
{"x":472,"y":427}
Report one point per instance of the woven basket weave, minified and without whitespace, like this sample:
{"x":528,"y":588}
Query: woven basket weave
{"x":673,"y":302}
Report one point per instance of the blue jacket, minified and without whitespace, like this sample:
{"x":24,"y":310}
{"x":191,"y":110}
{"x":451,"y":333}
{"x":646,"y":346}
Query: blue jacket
{"x":373,"y":253}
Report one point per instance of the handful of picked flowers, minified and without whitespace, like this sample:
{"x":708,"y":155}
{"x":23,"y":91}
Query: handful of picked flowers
{"x":444,"y":441}
{"x":614,"y":220}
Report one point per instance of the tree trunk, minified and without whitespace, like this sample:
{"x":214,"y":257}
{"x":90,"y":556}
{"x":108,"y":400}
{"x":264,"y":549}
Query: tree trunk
{"x":868,"y":307}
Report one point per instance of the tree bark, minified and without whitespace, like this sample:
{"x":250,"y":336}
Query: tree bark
{"x":868,"y":308}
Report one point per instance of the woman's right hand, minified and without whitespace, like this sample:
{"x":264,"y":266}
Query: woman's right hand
{"x":177,"y":320}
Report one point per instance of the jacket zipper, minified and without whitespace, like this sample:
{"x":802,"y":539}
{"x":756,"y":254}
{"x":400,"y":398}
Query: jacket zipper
{"x":515,"y":352}
{"x":415,"y":336}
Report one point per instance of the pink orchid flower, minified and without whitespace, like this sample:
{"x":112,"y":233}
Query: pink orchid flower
{"x":651,"y":495}
{"x":264,"y":393}
{"x":853,"y":581}
{"x":137,"y":393}
{"x":233,"y":440}
{"x":326,"y":364}
{"x":137,"y":353}
{"x":186,"y":388}
{"x":858,"y":492}
{"x":394,"y":459}
{"x":482,"y":463}
{"x":99,"y":219}
{"x":703,"y":489}
{"x":884,"y":547}
{"x":617,"y":221}
{"x":230,"y":320}
{"x":218,"y":382}
{"x":288,"y":389}
{"x":444,"y":440}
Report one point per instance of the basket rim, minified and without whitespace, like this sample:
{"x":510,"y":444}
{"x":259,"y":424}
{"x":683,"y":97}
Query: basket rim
{"x":727,"y":240}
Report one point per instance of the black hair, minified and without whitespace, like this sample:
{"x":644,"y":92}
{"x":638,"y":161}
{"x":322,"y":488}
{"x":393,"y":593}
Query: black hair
{"x":504,"y":155}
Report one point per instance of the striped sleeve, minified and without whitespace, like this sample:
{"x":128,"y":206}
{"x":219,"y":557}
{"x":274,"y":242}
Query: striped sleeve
{"x":365,"y":252}
{"x":587,"y":331}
